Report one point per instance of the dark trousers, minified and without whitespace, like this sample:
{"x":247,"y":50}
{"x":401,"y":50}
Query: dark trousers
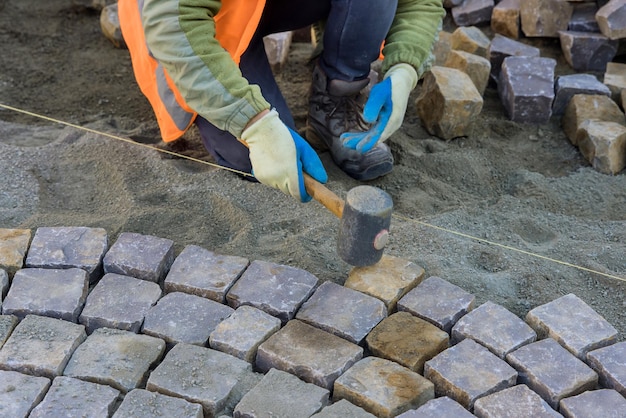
{"x":353,"y":34}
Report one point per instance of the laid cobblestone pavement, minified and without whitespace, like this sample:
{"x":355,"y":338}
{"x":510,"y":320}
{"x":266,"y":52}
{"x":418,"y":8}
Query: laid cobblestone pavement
{"x":131,"y":330}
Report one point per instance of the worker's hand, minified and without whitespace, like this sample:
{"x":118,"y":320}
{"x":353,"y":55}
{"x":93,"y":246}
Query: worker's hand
{"x":279,"y":155}
{"x":385,"y":108}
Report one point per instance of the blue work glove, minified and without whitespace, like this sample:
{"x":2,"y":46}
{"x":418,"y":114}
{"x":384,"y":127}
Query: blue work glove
{"x":279,"y":155}
{"x":385,"y":108}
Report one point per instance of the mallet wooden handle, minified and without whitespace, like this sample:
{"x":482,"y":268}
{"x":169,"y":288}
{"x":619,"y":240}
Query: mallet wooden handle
{"x":319,"y":192}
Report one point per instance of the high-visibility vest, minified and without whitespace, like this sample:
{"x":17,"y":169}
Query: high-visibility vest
{"x":235,"y":24}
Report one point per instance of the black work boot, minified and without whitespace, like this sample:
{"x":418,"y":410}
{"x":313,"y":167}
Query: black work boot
{"x":336,"y":107}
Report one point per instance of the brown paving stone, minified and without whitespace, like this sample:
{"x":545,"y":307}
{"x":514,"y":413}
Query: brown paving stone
{"x":545,"y":18}
{"x":13,"y":247}
{"x":610,"y":364}
{"x":476,"y":67}
{"x":470,"y":39}
{"x":517,"y":401}
{"x":19,"y":393}
{"x":603,"y":144}
{"x":582,"y":107}
{"x":505,"y":18}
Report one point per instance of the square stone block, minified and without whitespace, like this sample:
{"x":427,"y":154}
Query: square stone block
{"x":69,"y":247}
{"x":583,"y":107}
{"x":114,"y":357}
{"x":120,"y":302}
{"x":505,"y":18}
{"x":545,"y":18}
{"x":550,"y":370}
{"x":342,"y":311}
{"x":610,"y":364}
{"x":7,"y":325}
{"x":473,"y":12}
{"x":470,"y":39}
{"x":243,"y":331}
{"x":49,"y":292}
{"x":517,"y":401}
{"x":388,"y":280}
{"x":567,"y":86}
{"x":13,"y":247}
{"x":276,"y":289}
{"x":603,"y":144}
{"x":468,"y":371}
{"x":502,"y":47}
{"x":313,"y":355}
{"x":343,"y":409}
{"x":438,"y":408}
{"x":615,"y":79}
{"x":144,"y":257}
{"x":383,"y":387}
{"x":437,"y":301}
{"x":407,"y":340}
{"x":69,"y":397}
{"x":587,"y":51}
{"x":594,"y":403}
{"x":19,"y":393}
{"x":41,"y":346}
{"x":141,"y":403}
{"x":180,"y":317}
{"x":573,"y":323}
{"x":201,"y":272}
{"x":476,"y":67}
{"x":282,"y":394}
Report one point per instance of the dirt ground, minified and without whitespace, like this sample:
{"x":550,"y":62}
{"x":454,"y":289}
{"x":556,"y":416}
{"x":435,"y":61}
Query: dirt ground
{"x":520,"y":186}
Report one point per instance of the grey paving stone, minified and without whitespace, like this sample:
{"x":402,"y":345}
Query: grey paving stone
{"x":201,"y":272}
{"x":605,"y":403}
{"x":140,"y":403}
{"x":4,"y":283}
{"x":438,"y":302}
{"x":243,"y":331}
{"x":473,"y":12}
{"x":343,"y":312}
{"x":566,"y":86}
{"x":41,"y":346}
{"x":610,"y":364}
{"x":180,"y":317}
{"x":517,"y":401}
{"x":573,"y":323}
{"x":343,"y":409}
{"x":383,"y":387}
{"x":69,"y":247}
{"x":310,"y":353}
{"x":442,"y":407}
{"x":74,"y":398}
{"x":584,"y":17}
{"x":502,"y":47}
{"x":550,"y":370}
{"x":586,"y":51}
{"x":56,"y":293}
{"x":114,"y":357}
{"x":119,"y":301}
{"x":205,"y":376}
{"x":19,"y":393}
{"x":13,"y":247}
{"x":276,"y":289}
{"x":7,"y":324}
{"x":495,"y":327}
{"x":468,"y":371}
{"x":281,"y":394}
{"x":144,"y":257}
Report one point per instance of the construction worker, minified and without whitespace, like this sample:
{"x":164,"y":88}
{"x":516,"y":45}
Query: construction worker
{"x":204,"y":61}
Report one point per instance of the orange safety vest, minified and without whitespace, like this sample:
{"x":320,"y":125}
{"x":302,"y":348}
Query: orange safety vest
{"x":235,"y":25}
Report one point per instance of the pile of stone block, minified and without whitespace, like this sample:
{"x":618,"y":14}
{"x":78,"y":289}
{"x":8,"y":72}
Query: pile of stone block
{"x":134,"y":330}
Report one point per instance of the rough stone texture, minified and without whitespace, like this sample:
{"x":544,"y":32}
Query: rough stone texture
{"x":582,"y":107}
{"x":69,"y":397}
{"x":468,"y":371}
{"x":517,"y":401}
{"x":407,"y":340}
{"x":19,"y":393}
{"x":603,"y":144}
{"x":343,"y":409}
{"x":110,"y":26}
{"x":615,"y":79}
{"x":7,"y":325}
{"x":448,"y":103}
{"x":4,"y":283}
{"x":526,"y":88}
{"x":141,"y":403}
{"x":179,"y":317}
{"x":550,"y":370}
{"x":243,"y":331}
{"x":611,"y":19}
{"x":277,"y":48}
{"x":476,"y":67}
{"x":566,"y":86}
{"x":342,"y":311}
{"x":502,"y":47}
{"x":573,"y":323}
{"x":448,"y":4}
{"x":276,"y":289}
{"x":13,"y":247}
{"x":313,"y":355}
{"x":584,"y":17}
{"x":67,"y":247}
{"x":41,"y":346}
{"x":609,"y":363}
{"x":383,"y":387}
{"x":585,"y":51}
{"x":438,"y":408}
{"x":474,"y":12}
{"x":438,"y":302}
{"x":494,"y":327}
{"x":201,"y":272}
{"x":545,"y":18}
{"x":280,"y":394}
{"x":50,"y":292}
{"x":114,"y":357}
{"x":505,"y":18}
{"x":470,"y":39}
{"x":144,"y":257}
{"x":201,"y":375}
{"x":594,"y":403}
{"x":442,"y":48}
{"x":120,"y":302}
{"x":388,"y":280}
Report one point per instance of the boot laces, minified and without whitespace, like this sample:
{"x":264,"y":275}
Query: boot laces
{"x":350,"y":111}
